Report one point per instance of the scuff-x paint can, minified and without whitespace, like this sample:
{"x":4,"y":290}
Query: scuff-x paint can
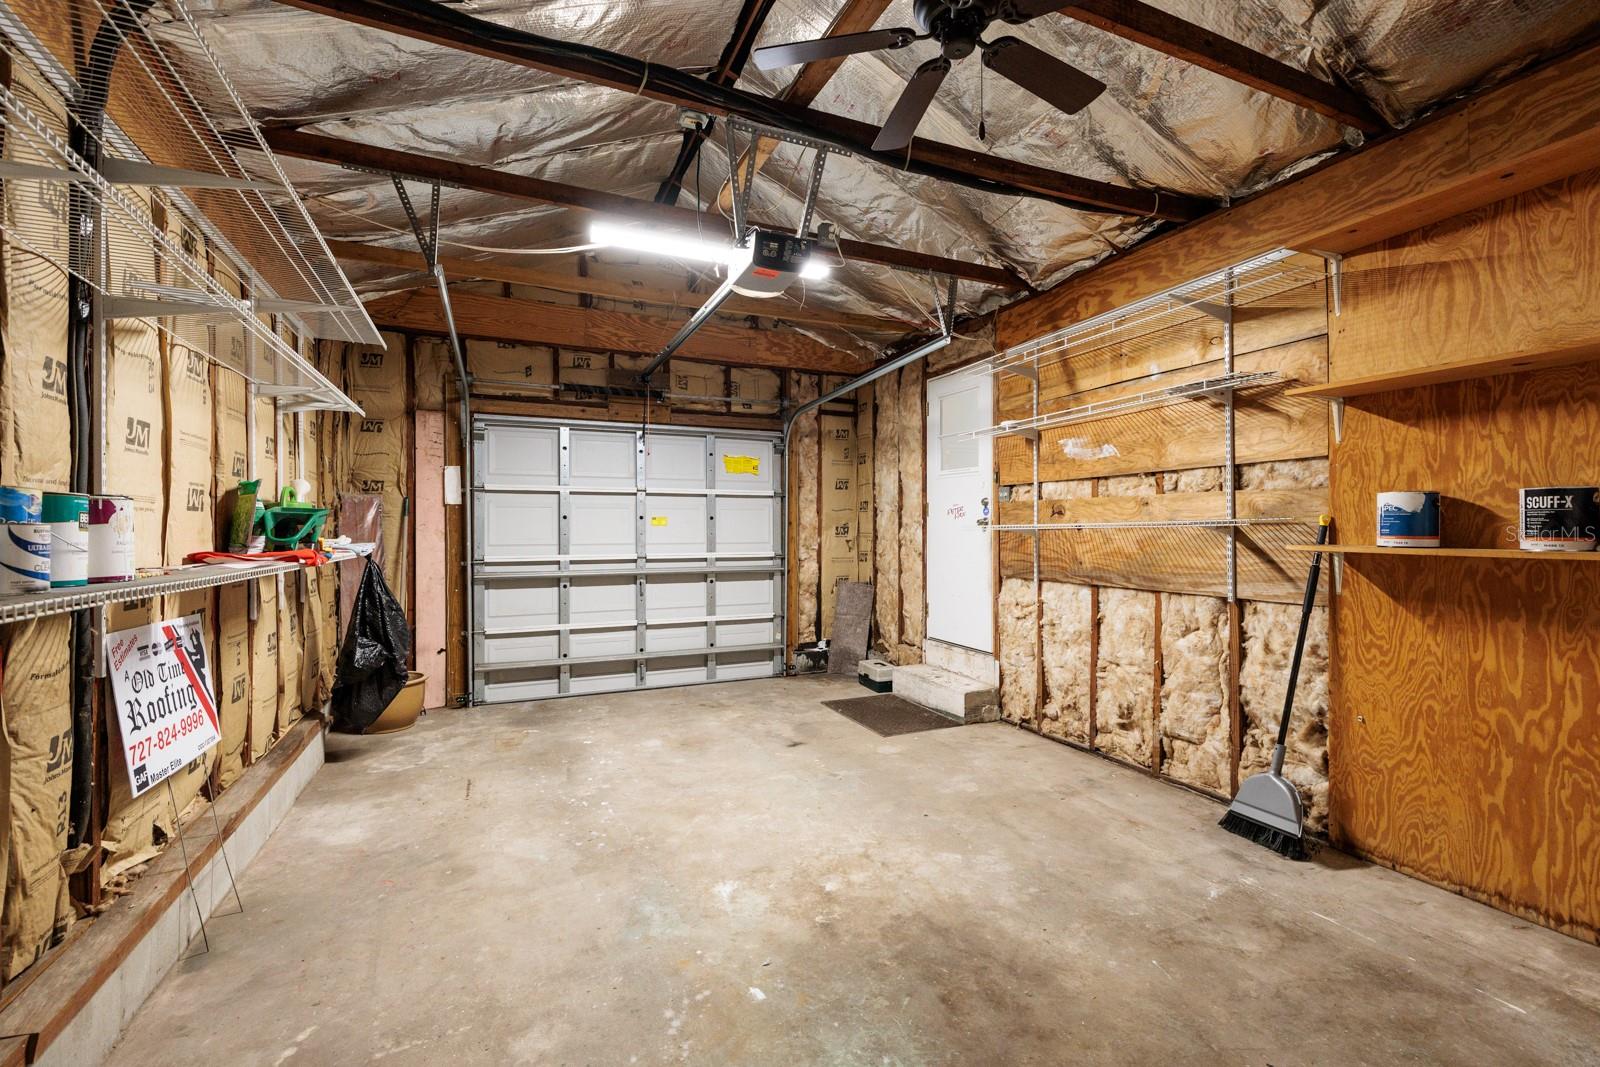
{"x":1562,"y":518}
{"x":110,"y":539}
{"x":67,"y":515}
{"x":1408,"y":520}
{"x":24,"y":557}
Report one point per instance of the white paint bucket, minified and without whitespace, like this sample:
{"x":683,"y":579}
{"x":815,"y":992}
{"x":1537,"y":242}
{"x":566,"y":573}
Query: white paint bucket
{"x":110,"y":539}
{"x":1408,"y":520}
{"x":67,"y":515}
{"x":24,"y":558}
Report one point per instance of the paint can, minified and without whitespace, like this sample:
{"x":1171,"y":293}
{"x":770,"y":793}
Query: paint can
{"x":110,"y":539}
{"x":1562,"y":518}
{"x":24,"y":558}
{"x":20,"y":505}
{"x":67,"y":515}
{"x":1408,"y":520}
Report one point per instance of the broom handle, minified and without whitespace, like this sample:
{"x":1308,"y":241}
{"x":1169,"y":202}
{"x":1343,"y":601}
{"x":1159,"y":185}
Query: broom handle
{"x":1300,"y":642}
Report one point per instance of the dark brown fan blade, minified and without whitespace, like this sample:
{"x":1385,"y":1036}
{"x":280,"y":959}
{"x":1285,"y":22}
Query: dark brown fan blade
{"x":1064,"y":87}
{"x":774,"y":56}
{"x":902,"y":123}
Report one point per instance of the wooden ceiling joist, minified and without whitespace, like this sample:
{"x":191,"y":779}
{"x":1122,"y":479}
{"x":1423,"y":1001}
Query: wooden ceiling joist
{"x":302,"y":145}
{"x":1157,"y":30}
{"x":505,"y":319}
{"x":557,"y":281}
{"x":436,"y":23}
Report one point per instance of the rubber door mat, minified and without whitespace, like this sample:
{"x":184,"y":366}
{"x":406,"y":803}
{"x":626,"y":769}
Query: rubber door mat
{"x":888,"y":716}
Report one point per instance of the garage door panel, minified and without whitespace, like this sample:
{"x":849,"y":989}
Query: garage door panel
{"x":586,"y":644}
{"x":679,"y":638}
{"x":605,"y":458}
{"x":736,"y":666}
{"x":602,"y":677}
{"x":676,"y":525}
{"x":674,"y":597}
{"x":675,"y":462}
{"x":745,"y":464}
{"x":675,"y":670}
{"x":601,"y":600}
{"x":530,"y":684}
{"x":512,"y":456}
{"x":746,"y":596}
{"x":747,"y":525}
{"x":514,"y":526}
{"x":519,"y":648}
{"x":520,"y":604}
{"x":602,"y":525}
{"x":736,"y":634}
{"x":575,"y":528}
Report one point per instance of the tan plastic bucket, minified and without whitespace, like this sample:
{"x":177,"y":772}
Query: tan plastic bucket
{"x":402,"y":712}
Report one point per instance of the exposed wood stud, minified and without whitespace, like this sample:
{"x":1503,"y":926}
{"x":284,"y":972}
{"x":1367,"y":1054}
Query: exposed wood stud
{"x":1235,"y":705}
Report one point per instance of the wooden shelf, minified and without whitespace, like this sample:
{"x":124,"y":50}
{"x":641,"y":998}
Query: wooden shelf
{"x":1468,"y":553}
{"x":1441,"y":373}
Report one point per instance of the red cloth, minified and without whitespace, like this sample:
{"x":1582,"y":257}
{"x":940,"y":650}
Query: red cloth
{"x":308,"y":557}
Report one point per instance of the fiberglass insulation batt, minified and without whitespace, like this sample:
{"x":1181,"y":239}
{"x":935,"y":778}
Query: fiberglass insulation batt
{"x":1067,"y":625}
{"x":1125,"y":685}
{"x":1018,"y":675}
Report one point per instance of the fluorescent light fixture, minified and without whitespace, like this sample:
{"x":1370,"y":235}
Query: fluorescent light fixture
{"x":664,"y":243}
{"x":814,"y":270}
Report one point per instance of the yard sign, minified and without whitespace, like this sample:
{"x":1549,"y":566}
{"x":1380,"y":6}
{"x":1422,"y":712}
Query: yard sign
{"x":161,"y":685}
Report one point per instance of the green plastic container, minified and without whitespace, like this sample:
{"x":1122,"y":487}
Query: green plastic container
{"x":293,"y":525}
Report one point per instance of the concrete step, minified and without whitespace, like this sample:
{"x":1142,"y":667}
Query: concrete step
{"x":963,"y":699}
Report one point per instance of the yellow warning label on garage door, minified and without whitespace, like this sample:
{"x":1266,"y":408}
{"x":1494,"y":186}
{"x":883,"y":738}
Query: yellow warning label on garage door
{"x":741,"y":464}
{"x":658,"y":520}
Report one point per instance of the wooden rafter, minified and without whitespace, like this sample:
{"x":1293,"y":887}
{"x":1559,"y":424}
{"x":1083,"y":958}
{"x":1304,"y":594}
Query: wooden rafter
{"x":1155,"y":29}
{"x":502,"y":318}
{"x":451,"y":27}
{"x":302,"y":145}
{"x":777,"y":308}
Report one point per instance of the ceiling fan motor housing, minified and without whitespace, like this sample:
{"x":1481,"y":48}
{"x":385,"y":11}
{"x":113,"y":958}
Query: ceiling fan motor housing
{"x":955,"y":25}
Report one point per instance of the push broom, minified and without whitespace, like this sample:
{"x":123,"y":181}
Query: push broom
{"x":1266,"y":809}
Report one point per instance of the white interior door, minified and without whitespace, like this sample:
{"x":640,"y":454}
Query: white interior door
{"x":960,"y":571}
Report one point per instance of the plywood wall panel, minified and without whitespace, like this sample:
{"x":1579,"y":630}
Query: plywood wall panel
{"x":1466,"y":725}
{"x":1517,"y":276}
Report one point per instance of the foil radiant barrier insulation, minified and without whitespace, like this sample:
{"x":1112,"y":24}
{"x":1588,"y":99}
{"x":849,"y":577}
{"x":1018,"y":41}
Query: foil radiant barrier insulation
{"x":1163,"y":122}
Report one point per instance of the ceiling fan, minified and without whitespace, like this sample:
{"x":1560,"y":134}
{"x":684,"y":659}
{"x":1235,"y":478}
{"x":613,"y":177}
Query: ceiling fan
{"x":958,"y":26}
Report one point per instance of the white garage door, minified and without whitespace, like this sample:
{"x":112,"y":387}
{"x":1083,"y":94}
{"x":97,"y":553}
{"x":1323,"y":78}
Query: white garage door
{"x":610,"y":558}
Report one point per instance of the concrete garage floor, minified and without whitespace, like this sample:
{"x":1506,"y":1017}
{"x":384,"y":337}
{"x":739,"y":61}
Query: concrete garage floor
{"x":734,"y":874}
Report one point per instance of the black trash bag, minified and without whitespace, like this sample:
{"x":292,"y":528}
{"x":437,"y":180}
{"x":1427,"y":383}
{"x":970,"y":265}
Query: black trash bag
{"x":372,"y":662}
